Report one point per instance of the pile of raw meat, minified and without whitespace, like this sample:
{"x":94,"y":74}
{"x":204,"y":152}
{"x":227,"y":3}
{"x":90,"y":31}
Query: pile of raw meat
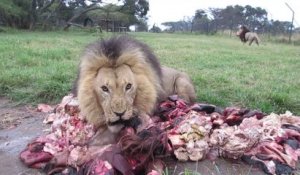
{"x":188,"y":132}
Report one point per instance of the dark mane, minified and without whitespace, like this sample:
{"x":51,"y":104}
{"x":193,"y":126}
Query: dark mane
{"x":114,"y":47}
{"x":242,"y":35}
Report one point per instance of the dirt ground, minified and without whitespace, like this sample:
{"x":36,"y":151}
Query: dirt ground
{"x":19,"y":125}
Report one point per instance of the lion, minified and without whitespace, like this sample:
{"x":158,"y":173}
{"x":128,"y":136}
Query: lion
{"x":120,"y":78}
{"x":177,"y":82}
{"x":245,"y":35}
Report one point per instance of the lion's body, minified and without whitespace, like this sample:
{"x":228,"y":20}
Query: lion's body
{"x":121,"y":78}
{"x":245,"y":35}
{"x":252,"y":36}
{"x":176,"y":82}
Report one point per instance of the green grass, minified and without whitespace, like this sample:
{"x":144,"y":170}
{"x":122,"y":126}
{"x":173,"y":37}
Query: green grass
{"x":41,"y":67}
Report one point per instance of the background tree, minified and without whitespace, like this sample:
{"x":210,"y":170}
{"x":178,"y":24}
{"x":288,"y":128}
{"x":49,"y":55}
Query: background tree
{"x":228,"y":18}
{"x":141,"y":26}
{"x":16,"y":13}
{"x":182,"y":25}
{"x":232,"y":16}
{"x":200,"y":22}
{"x":279,"y":27}
{"x":155,"y":29}
{"x":129,"y":10}
{"x":27,"y":14}
{"x":255,"y":17}
{"x":53,"y":14}
{"x":217,"y":17}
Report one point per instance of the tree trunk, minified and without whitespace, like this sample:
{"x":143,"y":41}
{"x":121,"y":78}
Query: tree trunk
{"x":33,"y":16}
{"x":69,"y":22}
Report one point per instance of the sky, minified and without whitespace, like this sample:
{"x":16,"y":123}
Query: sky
{"x":175,"y":10}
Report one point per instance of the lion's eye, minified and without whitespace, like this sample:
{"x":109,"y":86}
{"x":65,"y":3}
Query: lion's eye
{"x":128,"y":86}
{"x":104,"y":88}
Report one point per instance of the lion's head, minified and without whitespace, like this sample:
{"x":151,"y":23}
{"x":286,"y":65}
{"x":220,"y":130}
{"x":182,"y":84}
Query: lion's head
{"x":118,"y":79}
{"x":241,"y":33}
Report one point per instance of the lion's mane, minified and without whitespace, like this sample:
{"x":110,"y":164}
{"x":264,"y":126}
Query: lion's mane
{"x":246,"y":35}
{"x":114,"y":52}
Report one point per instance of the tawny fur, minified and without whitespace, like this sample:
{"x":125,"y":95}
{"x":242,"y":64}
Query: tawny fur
{"x":176,"y":82}
{"x":252,"y":36}
{"x":114,"y":63}
{"x":245,"y":35}
{"x":94,"y":59}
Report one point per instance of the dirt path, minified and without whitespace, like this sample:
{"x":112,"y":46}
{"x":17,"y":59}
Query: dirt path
{"x":19,"y":125}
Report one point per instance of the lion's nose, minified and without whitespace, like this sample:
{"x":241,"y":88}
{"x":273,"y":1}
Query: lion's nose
{"x":120,"y":114}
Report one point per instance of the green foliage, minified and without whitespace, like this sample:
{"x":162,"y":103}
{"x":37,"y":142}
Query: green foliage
{"x":30,"y":14}
{"x":109,"y":12}
{"x":229,"y":18}
{"x":155,"y":29}
{"x":142,"y":26}
{"x":15,"y":13}
{"x":129,"y":13}
{"x":15,"y":8}
{"x":41,"y":67}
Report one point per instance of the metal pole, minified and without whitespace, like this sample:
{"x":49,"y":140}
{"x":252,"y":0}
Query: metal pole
{"x":291,"y":28}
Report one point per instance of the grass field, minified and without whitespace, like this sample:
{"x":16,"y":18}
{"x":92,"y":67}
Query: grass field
{"x":40,"y":67}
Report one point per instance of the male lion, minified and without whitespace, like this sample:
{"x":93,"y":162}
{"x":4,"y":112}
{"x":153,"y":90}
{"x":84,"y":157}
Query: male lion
{"x":245,"y":35}
{"x":121,"y":78}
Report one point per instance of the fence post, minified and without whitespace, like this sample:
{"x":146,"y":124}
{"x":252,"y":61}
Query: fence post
{"x":291,"y":28}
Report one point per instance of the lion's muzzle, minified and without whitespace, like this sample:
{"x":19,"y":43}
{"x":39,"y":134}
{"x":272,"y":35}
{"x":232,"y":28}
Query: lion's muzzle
{"x":120,"y":114}
{"x":118,"y":122}
{"x":116,"y":126}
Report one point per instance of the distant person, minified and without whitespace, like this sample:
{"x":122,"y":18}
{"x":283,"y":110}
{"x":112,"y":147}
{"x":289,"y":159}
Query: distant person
{"x":246,"y":35}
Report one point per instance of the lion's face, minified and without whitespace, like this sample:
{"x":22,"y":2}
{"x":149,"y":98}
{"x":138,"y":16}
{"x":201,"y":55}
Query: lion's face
{"x":119,"y":78}
{"x":115,"y":89}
